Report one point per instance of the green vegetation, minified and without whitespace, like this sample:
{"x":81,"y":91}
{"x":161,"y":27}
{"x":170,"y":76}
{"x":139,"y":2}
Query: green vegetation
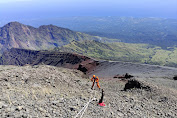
{"x":118,"y":51}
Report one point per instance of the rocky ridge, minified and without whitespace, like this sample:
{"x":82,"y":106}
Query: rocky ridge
{"x":22,"y":57}
{"x":17,"y":35}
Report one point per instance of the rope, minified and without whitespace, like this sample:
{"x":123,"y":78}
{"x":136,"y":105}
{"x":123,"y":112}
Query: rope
{"x":82,"y":109}
{"x":85,"y":107}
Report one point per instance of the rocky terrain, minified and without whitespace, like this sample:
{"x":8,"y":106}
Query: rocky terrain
{"x":22,"y":57}
{"x":17,"y":35}
{"x":48,"y":91}
{"x":39,"y":86}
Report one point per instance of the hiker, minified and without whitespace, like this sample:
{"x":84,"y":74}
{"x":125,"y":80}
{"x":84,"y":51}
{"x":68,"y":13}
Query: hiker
{"x":101,"y":103}
{"x":95,"y":79}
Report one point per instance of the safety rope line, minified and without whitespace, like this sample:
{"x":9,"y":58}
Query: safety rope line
{"x":82,"y":109}
{"x":86,"y":106}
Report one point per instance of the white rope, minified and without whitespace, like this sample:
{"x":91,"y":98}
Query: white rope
{"x":82,"y":109}
{"x":85,"y":107}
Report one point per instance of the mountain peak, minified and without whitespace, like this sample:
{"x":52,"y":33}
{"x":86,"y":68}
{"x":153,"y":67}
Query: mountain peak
{"x":15,"y":23}
{"x":17,"y":35}
{"x":52,"y":26}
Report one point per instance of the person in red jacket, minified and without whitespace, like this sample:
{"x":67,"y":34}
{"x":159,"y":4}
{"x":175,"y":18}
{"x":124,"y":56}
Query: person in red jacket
{"x":95,"y":79}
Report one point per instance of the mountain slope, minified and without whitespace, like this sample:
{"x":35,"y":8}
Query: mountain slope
{"x":21,"y":57}
{"x":16,"y":35}
{"x":48,"y":91}
{"x":142,"y":53}
{"x":156,"y":31}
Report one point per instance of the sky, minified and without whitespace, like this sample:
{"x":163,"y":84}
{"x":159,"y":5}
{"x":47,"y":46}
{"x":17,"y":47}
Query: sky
{"x":21,"y":9}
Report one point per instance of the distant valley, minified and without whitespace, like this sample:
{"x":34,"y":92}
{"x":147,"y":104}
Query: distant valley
{"x":149,"y":30}
{"x":53,"y":38}
{"x":126,"y":52}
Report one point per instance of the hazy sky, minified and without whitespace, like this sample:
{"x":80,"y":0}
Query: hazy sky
{"x":59,"y":8}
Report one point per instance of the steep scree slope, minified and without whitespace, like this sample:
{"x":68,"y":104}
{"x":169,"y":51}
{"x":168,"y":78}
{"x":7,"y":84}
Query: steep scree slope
{"x":48,"y":91}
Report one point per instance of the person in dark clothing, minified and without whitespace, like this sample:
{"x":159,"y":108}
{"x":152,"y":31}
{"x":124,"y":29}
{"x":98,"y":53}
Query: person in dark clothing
{"x":101,"y":103}
{"x":101,"y":100}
